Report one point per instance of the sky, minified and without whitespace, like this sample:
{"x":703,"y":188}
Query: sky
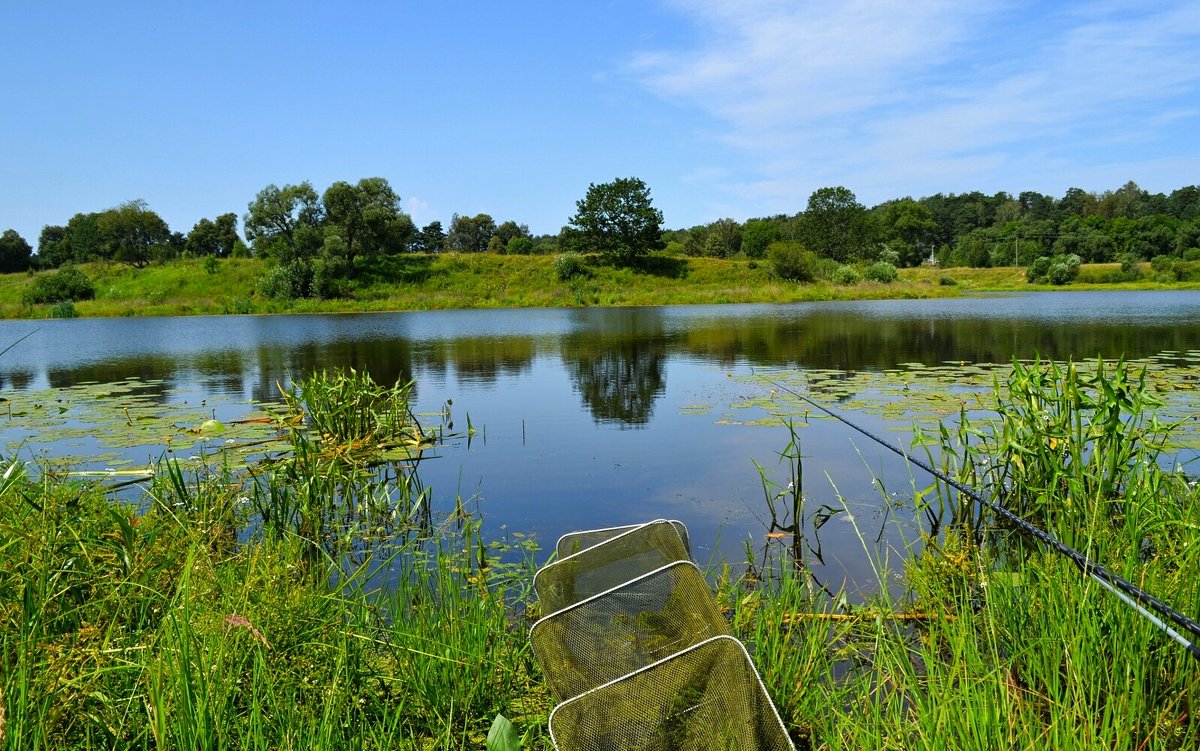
{"x":725,"y":109}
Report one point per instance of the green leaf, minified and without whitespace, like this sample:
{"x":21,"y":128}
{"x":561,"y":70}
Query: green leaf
{"x":503,"y":736}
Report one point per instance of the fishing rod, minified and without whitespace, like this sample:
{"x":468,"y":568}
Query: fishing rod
{"x":1130,"y":594}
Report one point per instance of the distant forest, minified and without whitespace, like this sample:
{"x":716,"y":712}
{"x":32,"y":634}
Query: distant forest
{"x":347,"y":221}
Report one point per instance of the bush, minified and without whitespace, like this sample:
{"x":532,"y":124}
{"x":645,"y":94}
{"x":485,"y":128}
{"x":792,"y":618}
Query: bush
{"x":65,"y":309}
{"x":328,"y":275}
{"x":1058,"y":270}
{"x":881,"y":271}
{"x":1166,"y":269}
{"x":846,"y":274}
{"x":1129,"y":267}
{"x":519,"y":246}
{"x":792,"y":261}
{"x":1038,"y":270}
{"x":289,"y":281}
{"x":1191,"y":254}
{"x":569,"y":265}
{"x":826,"y":268}
{"x":66,"y":284}
{"x":947,"y":281}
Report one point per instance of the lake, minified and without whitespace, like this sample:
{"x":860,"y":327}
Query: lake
{"x":593,"y":417}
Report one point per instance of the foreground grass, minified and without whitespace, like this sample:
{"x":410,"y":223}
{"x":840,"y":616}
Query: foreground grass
{"x":222,"y":614}
{"x":455,"y":281}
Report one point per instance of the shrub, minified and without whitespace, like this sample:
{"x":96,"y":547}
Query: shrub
{"x":210,"y":264}
{"x":881,"y":271}
{"x":289,"y":281}
{"x":1191,"y":254}
{"x":1129,"y":267}
{"x":947,"y":281}
{"x":65,"y":309}
{"x":846,"y":274}
{"x":1166,"y":268}
{"x":792,"y":261}
{"x":1038,"y":269}
{"x":1059,"y":270}
{"x":520,"y":246}
{"x":328,"y":273}
{"x":66,"y":284}
{"x":569,"y":265}
{"x":826,"y":268}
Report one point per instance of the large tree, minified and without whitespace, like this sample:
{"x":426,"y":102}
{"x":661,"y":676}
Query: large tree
{"x":132,"y":232}
{"x":284,"y":221}
{"x":617,"y":218}
{"x":213,"y":238}
{"x":470,"y":234}
{"x":367,"y":218}
{"x":431,"y":238}
{"x":836,"y":225}
{"x":14,"y":252}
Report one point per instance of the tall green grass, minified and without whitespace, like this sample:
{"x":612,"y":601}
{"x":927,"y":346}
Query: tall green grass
{"x":194,"y":620}
{"x":999,"y":642}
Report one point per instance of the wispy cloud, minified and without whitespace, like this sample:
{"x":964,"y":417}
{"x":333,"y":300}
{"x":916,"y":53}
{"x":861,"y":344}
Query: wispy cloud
{"x":905,"y":96}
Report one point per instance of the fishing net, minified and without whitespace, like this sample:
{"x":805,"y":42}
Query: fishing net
{"x":575,"y":542}
{"x":706,"y":697}
{"x":602,"y":566}
{"x":635,"y":648}
{"x":625,"y":628}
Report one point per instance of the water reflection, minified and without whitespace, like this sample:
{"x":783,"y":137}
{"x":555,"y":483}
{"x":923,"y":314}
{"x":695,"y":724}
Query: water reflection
{"x":594,"y":417}
{"x":616,"y":359}
{"x":618,"y":370}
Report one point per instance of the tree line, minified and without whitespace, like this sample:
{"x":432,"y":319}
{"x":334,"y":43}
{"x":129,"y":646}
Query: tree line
{"x":316,"y":239}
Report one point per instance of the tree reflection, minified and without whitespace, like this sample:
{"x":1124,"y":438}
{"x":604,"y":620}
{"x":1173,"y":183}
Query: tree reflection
{"x":616,"y":361}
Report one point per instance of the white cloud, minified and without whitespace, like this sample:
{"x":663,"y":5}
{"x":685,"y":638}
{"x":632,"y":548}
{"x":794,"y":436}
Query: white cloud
{"x":418,"y":209}
{"x":928,"y":94}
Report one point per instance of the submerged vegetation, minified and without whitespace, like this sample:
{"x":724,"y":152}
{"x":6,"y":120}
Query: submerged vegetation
{"x":311,"y":597}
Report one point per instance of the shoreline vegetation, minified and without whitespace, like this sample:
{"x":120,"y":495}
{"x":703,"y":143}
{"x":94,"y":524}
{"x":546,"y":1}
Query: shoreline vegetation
{"x":450,"y":280}
{"x":313,"y":600}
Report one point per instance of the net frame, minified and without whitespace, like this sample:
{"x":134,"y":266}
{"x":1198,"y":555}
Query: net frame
{"x":605,"y":565}
{"x":579,"y":541}
{"x":627,"y":627}
{"x":609,"y":728}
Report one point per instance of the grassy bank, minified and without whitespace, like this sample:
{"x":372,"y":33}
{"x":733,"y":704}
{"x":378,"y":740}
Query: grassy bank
{"x":451,"y":281}
{"x":316,"y":602}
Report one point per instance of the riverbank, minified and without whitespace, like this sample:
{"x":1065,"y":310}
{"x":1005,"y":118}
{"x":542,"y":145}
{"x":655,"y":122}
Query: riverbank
{"x":462,"y":281}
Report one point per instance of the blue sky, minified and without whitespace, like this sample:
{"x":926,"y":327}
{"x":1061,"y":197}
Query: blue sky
{"x":725,"y":109}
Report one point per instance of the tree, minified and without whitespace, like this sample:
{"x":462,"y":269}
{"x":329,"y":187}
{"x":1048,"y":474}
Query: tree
{"x":366,"y":216}
{"x":284,"y":221}
{"x":757,"y":236}
{"x":836,"y":225}
{"x":132,"y":232}
{"x":202,"y":240}
{"x":509,"y":231}
{"x":470,"y":234}
{"x":908,"y":228}
{"x":15,"y":252}
{"x":53,"y":248}
{"x":431,"y":238}
{"x":618,"y":219}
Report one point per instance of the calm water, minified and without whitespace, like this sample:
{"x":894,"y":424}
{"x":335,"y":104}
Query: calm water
{"x":595,"y":417}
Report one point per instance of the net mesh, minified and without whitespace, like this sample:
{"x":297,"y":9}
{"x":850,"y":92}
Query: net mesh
{"x":605,"y":565}
{"x":574,"y":542}
{"x":708,"y":697}
{"x":625,"y":628}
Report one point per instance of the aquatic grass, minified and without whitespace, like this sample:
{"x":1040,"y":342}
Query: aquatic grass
{"x":998,"y":642}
